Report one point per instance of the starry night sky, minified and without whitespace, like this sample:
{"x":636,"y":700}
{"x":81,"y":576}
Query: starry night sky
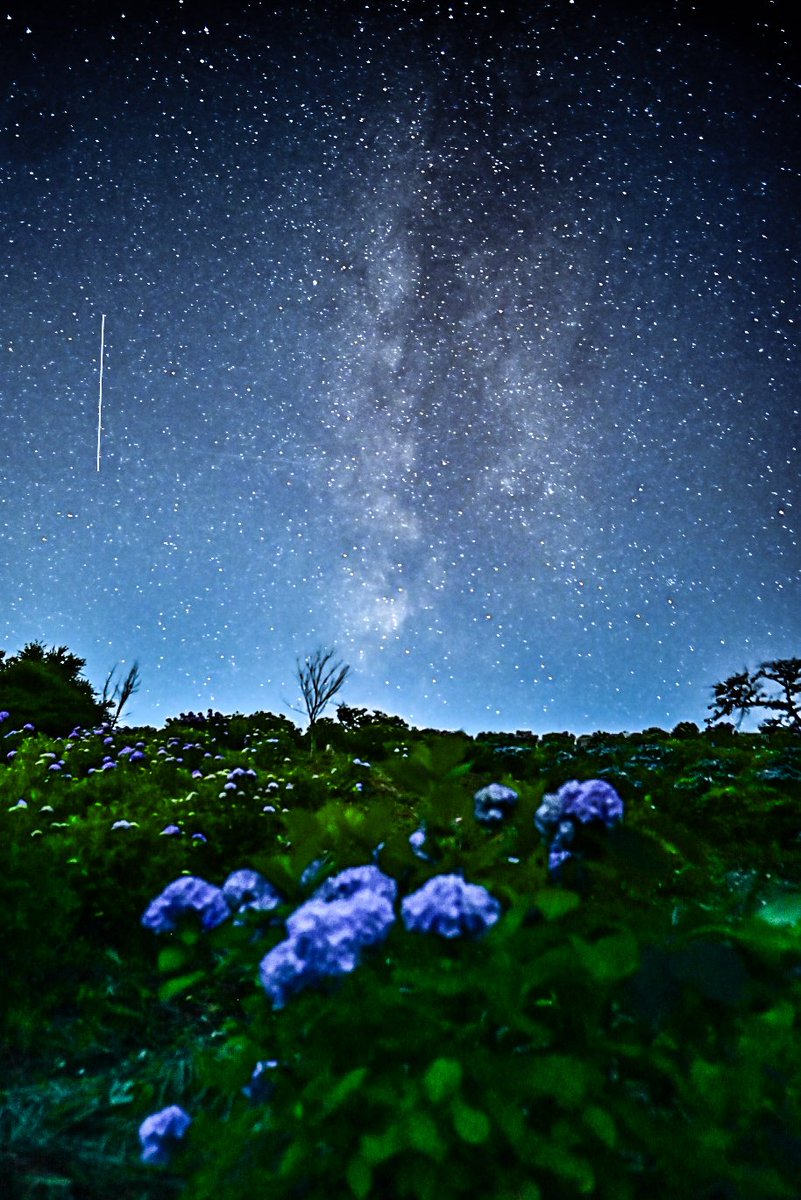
{"x":463,"y":343}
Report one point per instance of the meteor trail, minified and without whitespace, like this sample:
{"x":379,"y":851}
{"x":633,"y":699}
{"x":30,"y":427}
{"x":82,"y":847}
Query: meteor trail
{"x":100,"y":398}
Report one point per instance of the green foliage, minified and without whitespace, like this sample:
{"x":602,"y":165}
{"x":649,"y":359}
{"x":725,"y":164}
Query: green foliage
{"x":46,"y":689}
{"x":630,"y":1032}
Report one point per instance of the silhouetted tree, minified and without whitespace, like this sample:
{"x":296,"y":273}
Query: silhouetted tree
{"x":122,"y":691}
{"x":320,"y":679}
{"x":743,"y":692}
{"x":45,"y":688}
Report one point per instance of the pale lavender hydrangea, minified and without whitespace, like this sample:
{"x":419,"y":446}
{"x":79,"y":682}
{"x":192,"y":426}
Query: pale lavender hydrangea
{"x":493,"y":803}
{"x":450,"y":907}
{"x":247,"y":889}
{"x":159,"y":1132}
{"x":187,"y":894}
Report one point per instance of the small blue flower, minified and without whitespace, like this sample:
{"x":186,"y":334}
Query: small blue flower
{"x":4,"y":715}
{"x":450,"y":907}
{"x":187,"y":894}
{"x":159,"y":1132}
{"x":417,"y":841}
{"x":262,"y":1085}
{"x":493,"y":803}
{"x":169,"y":830}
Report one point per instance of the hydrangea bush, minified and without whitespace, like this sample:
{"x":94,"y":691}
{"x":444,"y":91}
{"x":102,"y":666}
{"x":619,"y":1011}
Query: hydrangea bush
{"x":454,"y":1024}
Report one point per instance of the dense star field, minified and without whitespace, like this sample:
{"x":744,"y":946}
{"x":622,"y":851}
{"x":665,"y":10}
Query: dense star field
{"x":464,"y":342}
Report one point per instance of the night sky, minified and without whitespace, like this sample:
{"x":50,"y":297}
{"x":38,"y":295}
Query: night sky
{"x":465,"y":343}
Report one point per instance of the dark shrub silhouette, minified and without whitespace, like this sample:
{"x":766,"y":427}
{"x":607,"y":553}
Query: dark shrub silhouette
{"x":45,"y":688}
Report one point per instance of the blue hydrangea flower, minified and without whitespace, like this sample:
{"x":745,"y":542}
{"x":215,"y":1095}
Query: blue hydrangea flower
{"x":493,"y":803}
{"x":574,"y":804}
{"x":450,"y":907}
{"x":159,"y":1132}
{"x":247,"y":889}
{"x":592,"y":800}
{"x":283,"y":972}
{"x":353,"y":879}
{"x":187,"y":894}
{"x":326,"y":938}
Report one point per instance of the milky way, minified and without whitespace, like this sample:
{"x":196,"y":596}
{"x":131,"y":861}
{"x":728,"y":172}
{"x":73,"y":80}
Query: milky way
{"x":465,"y":344}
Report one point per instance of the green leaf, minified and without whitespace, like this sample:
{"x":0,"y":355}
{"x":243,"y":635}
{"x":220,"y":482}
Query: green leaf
{"x":172,"y":958}
{"x":347,"y":1085}
{"x":378,"y":1147}
{"x":174,"y":987}
{"x":424,"y":1136}
{"x":560,"y":1076}
{"x":442,"y":1079}
{"x":610,"y":958}
{"x":602,"y":1125}
{"x":359,"y":1175}
{"x":782,"y":910}
{"x":471,"y":1124}
{"x":556,"y":902}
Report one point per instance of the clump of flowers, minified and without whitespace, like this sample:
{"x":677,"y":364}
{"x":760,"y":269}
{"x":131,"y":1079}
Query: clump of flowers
{"x":182,"y":896}
{"x":247,"y":890}
{"x":159,"y":1133}
{"x":449,"y":906}
{"x":328,"y":934}
{"x":592,"y":802}
{"x":493,"y":803}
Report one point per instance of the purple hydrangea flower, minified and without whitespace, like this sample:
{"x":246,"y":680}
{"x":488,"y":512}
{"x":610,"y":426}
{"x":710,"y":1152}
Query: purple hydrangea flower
{"x":493,"y":803}
{"x":159,"y":1132}
{"x":247,"y":889}
{"x":592,"y":800}
{"x":352,"y":880}
{"x":187,"y":894}
{"x":326,"y":938}
{"x":450,"y":907}
{"x":283,"y":972}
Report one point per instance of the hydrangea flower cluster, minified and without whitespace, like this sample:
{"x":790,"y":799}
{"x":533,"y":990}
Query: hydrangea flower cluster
{"x":246,"y":890}
{"x":159,"y":1132}
{"x":327,"y":935}
{"x":450,"y":907}
{"x":593,"y":801}
{"x":184,"y":895}
{"x":493,"y":803}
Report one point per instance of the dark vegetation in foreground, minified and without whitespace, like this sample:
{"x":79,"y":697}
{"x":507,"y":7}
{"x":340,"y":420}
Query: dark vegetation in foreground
{"x":627,"y":1029}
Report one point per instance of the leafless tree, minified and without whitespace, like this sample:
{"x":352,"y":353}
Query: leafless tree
{"x":121,"y":693}
{"x":320,"y":679}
